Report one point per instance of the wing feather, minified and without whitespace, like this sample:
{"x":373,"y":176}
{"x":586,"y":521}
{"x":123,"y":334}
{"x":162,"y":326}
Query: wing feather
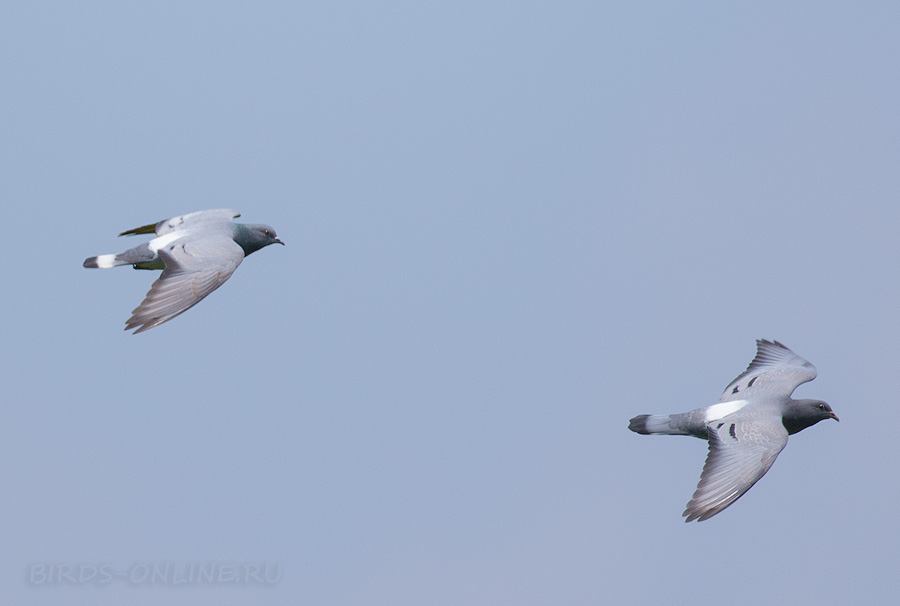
{"x":775,"y":369}
{"x":193,"y":270}
{"x":188,"y":221}
{"x":741,"y":451}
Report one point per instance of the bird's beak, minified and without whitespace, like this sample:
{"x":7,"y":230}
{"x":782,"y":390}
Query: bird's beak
{"x":833,"y":416}
{"x":277,"y":241}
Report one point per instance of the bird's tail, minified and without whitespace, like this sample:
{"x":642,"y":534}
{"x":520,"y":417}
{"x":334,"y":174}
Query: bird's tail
{"x":105,"y":261}
{"x":655,"y":424}
{"x":141,"y":256}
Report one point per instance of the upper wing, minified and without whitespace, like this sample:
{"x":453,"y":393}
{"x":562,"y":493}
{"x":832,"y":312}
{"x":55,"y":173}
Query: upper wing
{"x":193,"y":270}
{"x":741,"y":451}
{"x":775,"y":369}
{"x":217,"y":215}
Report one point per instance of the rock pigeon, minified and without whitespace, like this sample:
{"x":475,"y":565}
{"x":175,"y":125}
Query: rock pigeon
{"x":747,"y":428}
{"x":197,"y":252}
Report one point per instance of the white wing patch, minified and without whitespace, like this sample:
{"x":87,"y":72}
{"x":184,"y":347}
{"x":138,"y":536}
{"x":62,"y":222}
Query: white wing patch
{"x":717,"y":411}
{"x":157,"y":243}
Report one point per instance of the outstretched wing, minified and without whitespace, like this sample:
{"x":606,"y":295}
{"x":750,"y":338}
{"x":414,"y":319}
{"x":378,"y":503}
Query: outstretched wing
{"x":217,"y":215}
{"x":193,"y":270}
{"x":741,"y":451}
{"x":775,"y":369}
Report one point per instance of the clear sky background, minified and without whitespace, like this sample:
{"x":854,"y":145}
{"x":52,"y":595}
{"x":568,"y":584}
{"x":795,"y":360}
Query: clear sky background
{"x":510,"y":227}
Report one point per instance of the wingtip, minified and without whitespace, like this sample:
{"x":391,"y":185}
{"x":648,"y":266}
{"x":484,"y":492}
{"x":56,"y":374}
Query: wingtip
{"x":133,"y":323}
{"x":143,"y":229}
{"x":689,"y":514}
{"x":774,"y":342}
{"x":693,"y":514}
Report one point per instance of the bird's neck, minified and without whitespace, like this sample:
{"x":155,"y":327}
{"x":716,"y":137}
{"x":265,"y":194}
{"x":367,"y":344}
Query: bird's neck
{"x":794,"y":422}
{"x":244,"y":239}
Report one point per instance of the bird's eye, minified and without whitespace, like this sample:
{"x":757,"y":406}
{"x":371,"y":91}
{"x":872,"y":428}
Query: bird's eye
{"x":266,"y":231}
{"x":821,"y":407}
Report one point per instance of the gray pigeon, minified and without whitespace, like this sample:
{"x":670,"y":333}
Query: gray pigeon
{"x":197,"y":252}
{"x":747,"y":428}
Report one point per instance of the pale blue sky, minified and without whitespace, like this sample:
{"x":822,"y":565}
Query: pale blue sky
{"x":510,"y":227}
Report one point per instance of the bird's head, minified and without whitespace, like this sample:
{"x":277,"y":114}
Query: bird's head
{"x":253,"y":237}
{"x":806,"y":413}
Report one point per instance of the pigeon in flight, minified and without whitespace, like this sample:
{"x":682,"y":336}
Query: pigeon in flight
{"x":197,"y":252}
{"x":747,"y":428}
